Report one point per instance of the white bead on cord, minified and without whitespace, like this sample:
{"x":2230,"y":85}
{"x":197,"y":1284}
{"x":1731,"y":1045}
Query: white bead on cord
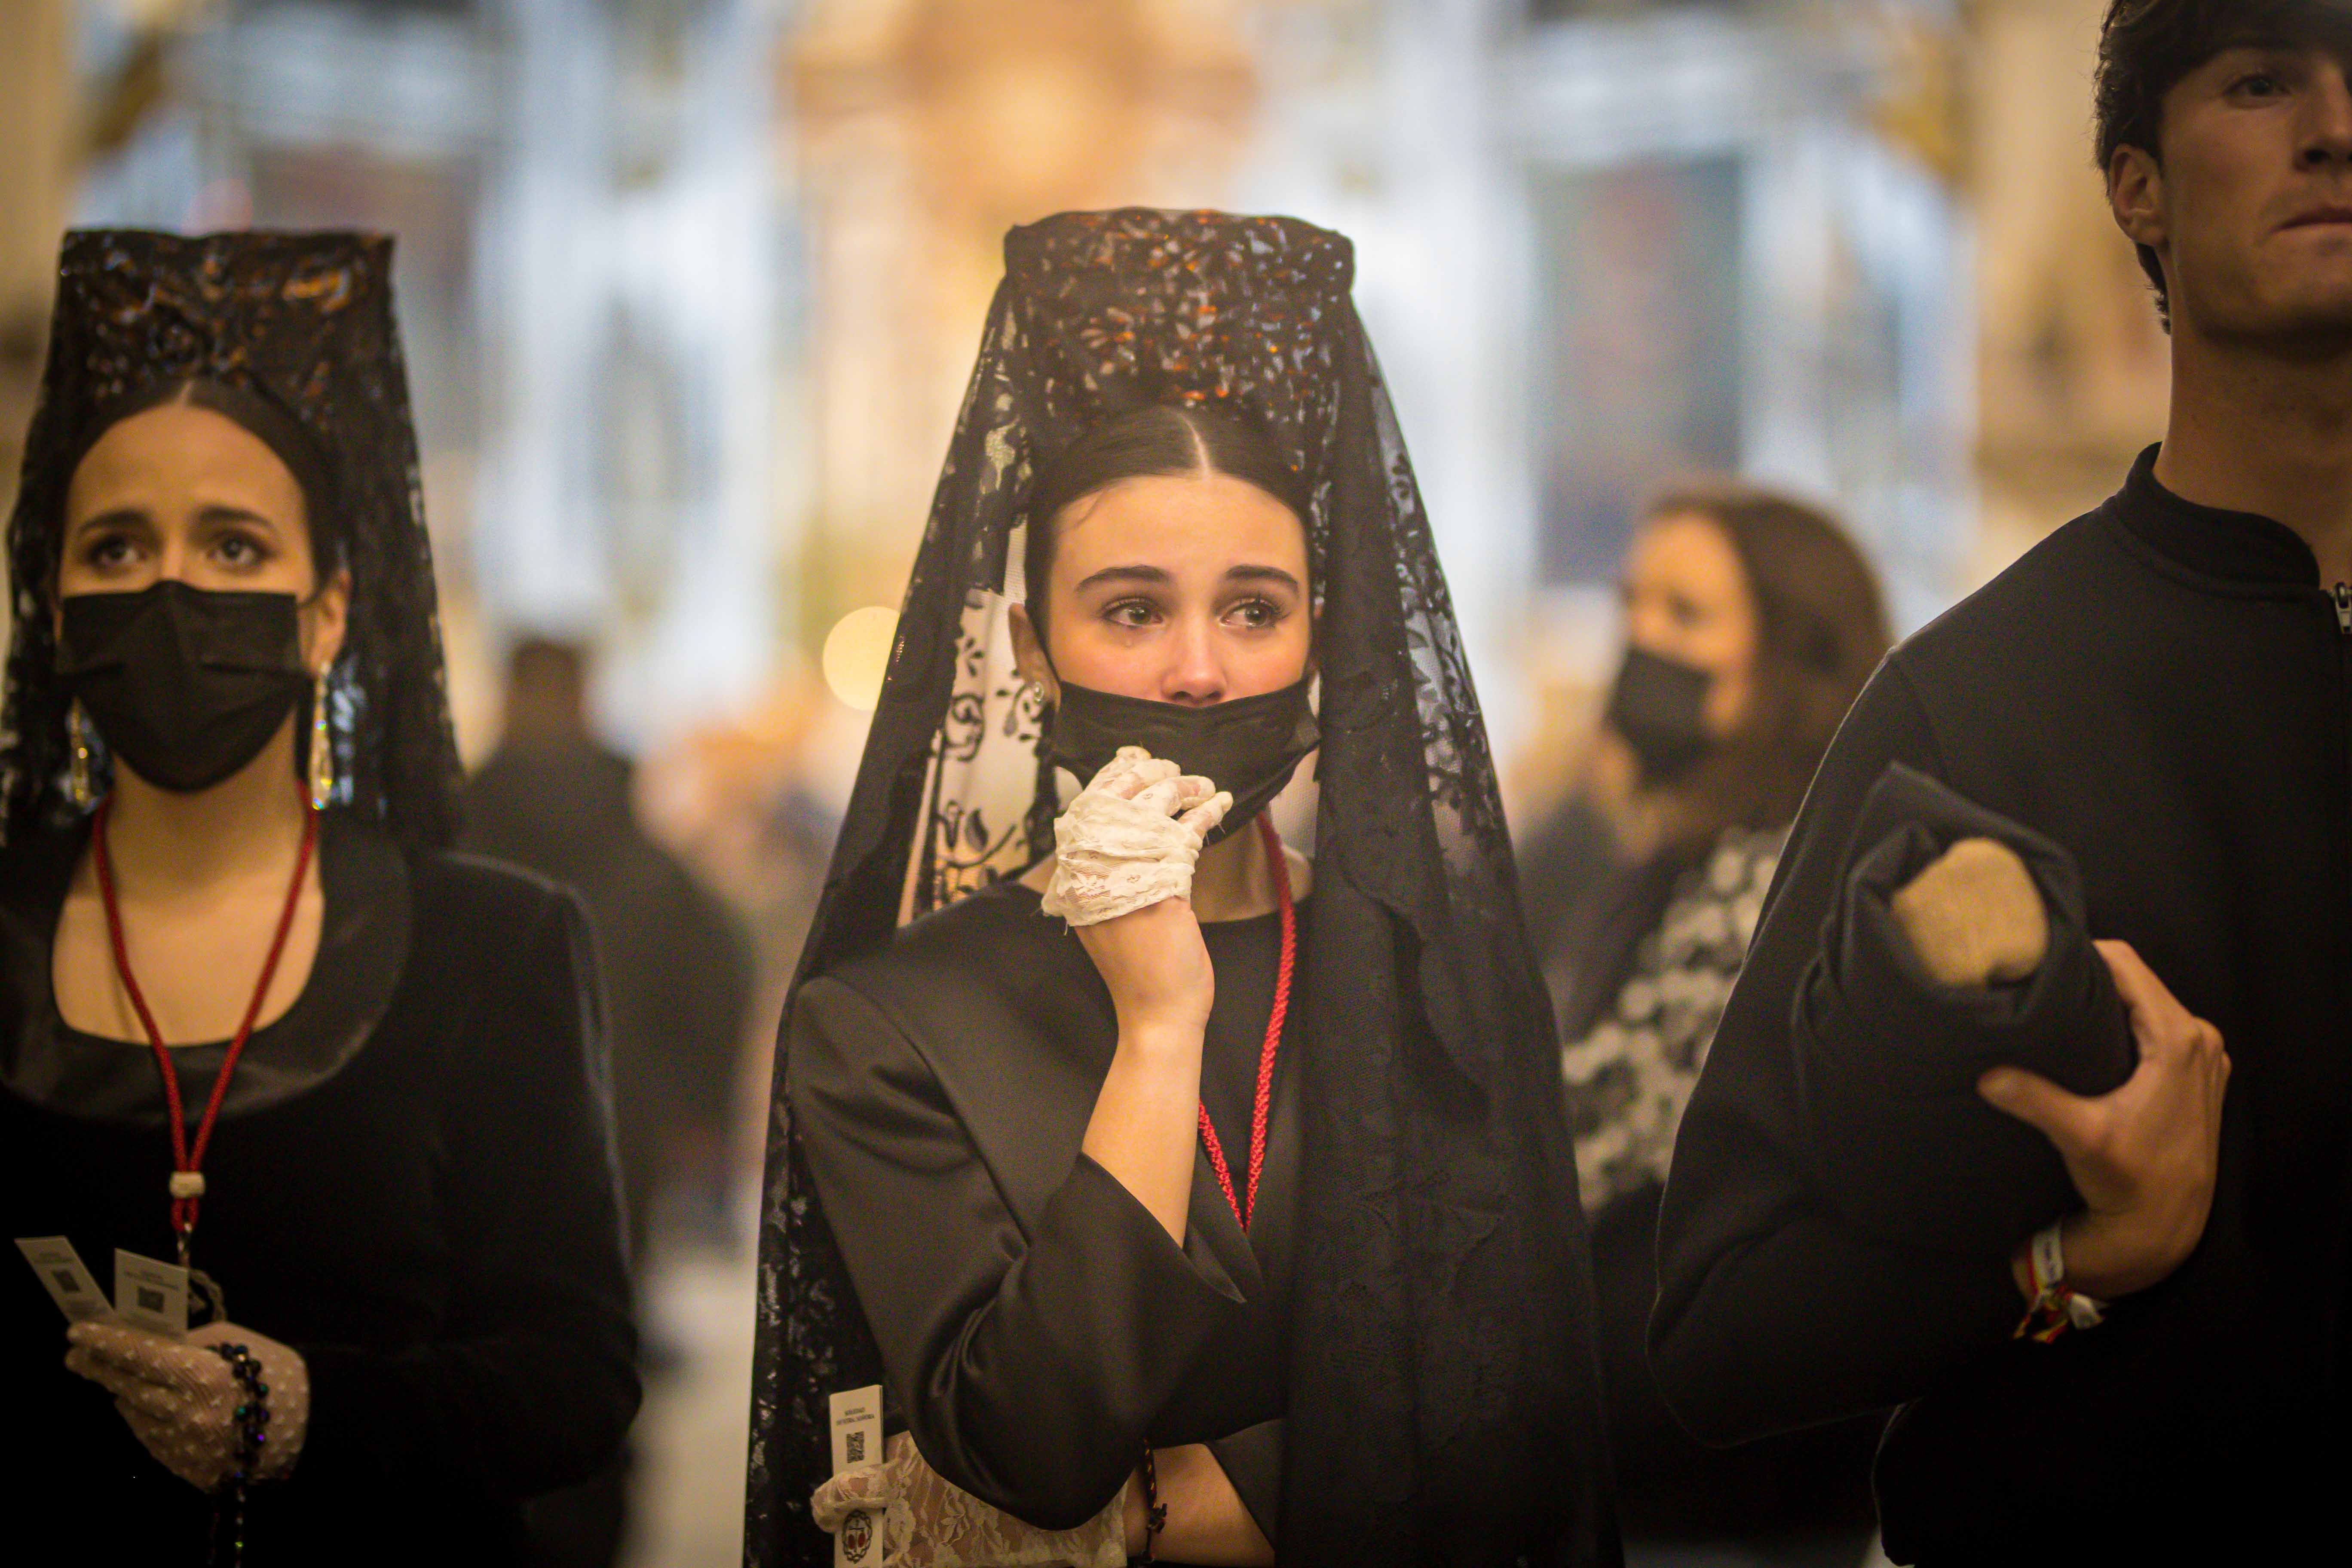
{"x":187,"y":1185}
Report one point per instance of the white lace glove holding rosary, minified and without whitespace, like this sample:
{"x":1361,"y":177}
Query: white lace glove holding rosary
{"x":930,"y":1522}
{"x":1130,"y":839}
{"x":181,"y":1398}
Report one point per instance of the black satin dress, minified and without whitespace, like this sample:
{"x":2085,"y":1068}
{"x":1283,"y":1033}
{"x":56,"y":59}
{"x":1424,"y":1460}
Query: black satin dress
{"x":1037,"y":1326}
{"x":411,"y":1183}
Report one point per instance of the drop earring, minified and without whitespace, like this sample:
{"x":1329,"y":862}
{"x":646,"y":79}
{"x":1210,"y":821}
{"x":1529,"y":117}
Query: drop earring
{"x":322,"y":747}
{"x":78,"y":779}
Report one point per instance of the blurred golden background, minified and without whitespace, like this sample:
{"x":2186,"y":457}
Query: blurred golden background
{"x":690,"y":289}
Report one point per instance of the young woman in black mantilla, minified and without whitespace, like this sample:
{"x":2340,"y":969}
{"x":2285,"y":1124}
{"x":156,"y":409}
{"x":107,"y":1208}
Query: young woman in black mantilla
{"x":1188,"y":1197}
{"x":254,"y":1021}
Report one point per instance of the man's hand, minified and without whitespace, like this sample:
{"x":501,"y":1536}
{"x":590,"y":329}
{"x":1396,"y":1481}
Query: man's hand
{"x":2144,"y":1158}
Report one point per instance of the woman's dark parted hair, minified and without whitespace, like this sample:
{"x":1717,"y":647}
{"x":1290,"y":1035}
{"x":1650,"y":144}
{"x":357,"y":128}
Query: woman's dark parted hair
{"x":1151,"y":442}
{"x":2147,"y":46}
{"x":1820,"y":631}
{"x":261,"y":416}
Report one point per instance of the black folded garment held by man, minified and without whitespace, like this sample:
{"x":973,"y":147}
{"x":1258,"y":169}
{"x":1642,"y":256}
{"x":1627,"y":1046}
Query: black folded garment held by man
{"x":1887,"y":1057}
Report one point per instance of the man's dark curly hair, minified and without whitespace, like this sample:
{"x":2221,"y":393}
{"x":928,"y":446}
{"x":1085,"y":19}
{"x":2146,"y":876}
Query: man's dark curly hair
{"x":2146,"y":47}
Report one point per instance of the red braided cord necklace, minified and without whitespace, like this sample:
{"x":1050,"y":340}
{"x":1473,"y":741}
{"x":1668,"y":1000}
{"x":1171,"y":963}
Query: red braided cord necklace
{"x":187,"y":1185}
{"x":1246,"y":1207}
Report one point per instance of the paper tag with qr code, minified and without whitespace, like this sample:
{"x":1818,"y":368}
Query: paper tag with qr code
{"x":857,"y":1440}
{"x":151,"y":1295}
{"x":67,"y":1280}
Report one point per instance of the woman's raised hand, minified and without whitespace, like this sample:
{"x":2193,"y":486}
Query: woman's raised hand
{"x":1130,"y":839}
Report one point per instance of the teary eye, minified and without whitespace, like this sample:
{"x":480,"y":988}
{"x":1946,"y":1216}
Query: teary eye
{"x":1256,"y":614}
{"x":1131,"y":612}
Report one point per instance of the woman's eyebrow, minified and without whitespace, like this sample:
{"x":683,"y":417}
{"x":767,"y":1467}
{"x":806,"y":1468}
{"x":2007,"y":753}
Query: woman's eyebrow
{"x":120,"y":517}
{"x":1152,"y":577}
{"x":1274,"y":575}
{"x":216,"y":516}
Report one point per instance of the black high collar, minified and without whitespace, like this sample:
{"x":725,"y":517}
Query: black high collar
{"x":2242,"y":548}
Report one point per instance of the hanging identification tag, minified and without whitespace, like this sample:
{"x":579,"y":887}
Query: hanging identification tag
{"x":65,"y":1278}
{"x":151,"y":1295}
{"x":857,"y":1442}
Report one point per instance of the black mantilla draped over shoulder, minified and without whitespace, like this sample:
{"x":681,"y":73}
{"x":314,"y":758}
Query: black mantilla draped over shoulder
{"x":1442,"y":1398}
{"x":302,"y":325}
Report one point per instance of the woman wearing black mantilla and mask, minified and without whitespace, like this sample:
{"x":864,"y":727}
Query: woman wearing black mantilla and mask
{"x":257,"y":1028}
{"x":1242,"y":1190}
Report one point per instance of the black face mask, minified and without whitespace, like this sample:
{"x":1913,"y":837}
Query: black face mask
{"x":185,"y":685}
{"x":1249,"y":746}
{"x":1659,"y":705}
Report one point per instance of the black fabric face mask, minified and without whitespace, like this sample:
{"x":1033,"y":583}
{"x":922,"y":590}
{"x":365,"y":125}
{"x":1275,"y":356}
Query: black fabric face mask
{"x":1659,"y":705}
{"x":1249,"y":746}
{"x":185,"y":685}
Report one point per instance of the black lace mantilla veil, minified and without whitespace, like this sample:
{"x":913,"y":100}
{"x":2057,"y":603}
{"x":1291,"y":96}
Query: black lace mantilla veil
{"x":1443,"y":1402}
{"x":304,"y":323}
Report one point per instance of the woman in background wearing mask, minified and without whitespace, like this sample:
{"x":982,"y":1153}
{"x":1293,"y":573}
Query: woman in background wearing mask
{"x":1197,"y":1200}
{"x":1751,"y":622}
{"x":301,"y":1118}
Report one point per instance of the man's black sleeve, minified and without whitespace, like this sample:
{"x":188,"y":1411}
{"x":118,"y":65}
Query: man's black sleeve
{"x":1773,"y":1313}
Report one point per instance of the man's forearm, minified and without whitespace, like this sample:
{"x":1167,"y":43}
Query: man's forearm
{"x":1207,"y":1522}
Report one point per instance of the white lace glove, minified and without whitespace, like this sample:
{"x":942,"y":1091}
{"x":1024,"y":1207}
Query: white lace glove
{"x":180,"y":1398}
{"x":1130,"y":839}
{"x":932,"y":1523}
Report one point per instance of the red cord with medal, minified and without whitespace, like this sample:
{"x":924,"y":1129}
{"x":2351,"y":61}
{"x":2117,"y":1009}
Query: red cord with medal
{"x":187,"y":1182}
{"x":1244,"y":1203}
{"x":1244,"y":1206}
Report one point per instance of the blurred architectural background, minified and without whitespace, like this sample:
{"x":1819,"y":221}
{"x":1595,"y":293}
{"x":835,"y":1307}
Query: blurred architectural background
{"x":690,"y":288}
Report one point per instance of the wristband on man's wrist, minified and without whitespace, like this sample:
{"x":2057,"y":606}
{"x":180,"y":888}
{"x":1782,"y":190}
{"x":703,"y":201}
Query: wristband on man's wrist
{"x":2056,"y":1306}
{"x":1155,"y":1512}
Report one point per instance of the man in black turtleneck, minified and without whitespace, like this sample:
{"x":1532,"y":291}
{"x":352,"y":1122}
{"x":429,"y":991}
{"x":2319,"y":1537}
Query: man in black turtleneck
{"x":2164,"y":686}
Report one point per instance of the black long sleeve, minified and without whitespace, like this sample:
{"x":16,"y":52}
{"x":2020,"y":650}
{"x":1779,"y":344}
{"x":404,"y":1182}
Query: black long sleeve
{"x":531,"y":1383}
{"x":1773,"y":1312}
{"x":1031,"y":1361}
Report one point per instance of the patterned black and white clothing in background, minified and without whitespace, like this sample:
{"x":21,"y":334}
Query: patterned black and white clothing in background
{"x":1630,"y":1073}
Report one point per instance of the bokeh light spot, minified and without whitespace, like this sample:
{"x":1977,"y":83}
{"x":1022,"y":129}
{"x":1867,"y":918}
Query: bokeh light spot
{"x":857,"y":653}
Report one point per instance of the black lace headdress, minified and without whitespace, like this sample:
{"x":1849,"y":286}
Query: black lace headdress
{"x":1443,"y":1401}
{"x":299,"y":326}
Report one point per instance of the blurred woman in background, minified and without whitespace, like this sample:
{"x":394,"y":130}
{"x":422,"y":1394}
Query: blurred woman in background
{"x":327,"y":1103}
{"x":1751,"y":622}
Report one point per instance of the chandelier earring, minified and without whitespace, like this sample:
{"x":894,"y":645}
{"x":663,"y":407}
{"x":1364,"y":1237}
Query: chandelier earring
{"x":322,"y":746}
{"x":79,"y":783}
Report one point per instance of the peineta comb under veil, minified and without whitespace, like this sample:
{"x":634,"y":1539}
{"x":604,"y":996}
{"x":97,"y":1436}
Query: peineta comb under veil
{"x":1443,"y":1403}
{"x":302,"y":325}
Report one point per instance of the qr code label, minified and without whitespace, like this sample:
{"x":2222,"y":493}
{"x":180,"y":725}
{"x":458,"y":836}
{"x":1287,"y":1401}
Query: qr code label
{"x":854,"y":1443}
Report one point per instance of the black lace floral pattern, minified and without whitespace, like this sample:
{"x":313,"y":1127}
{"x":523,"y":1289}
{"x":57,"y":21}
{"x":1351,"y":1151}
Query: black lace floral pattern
{"x":305,"y":322}
{"x":1444,"y":1309}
